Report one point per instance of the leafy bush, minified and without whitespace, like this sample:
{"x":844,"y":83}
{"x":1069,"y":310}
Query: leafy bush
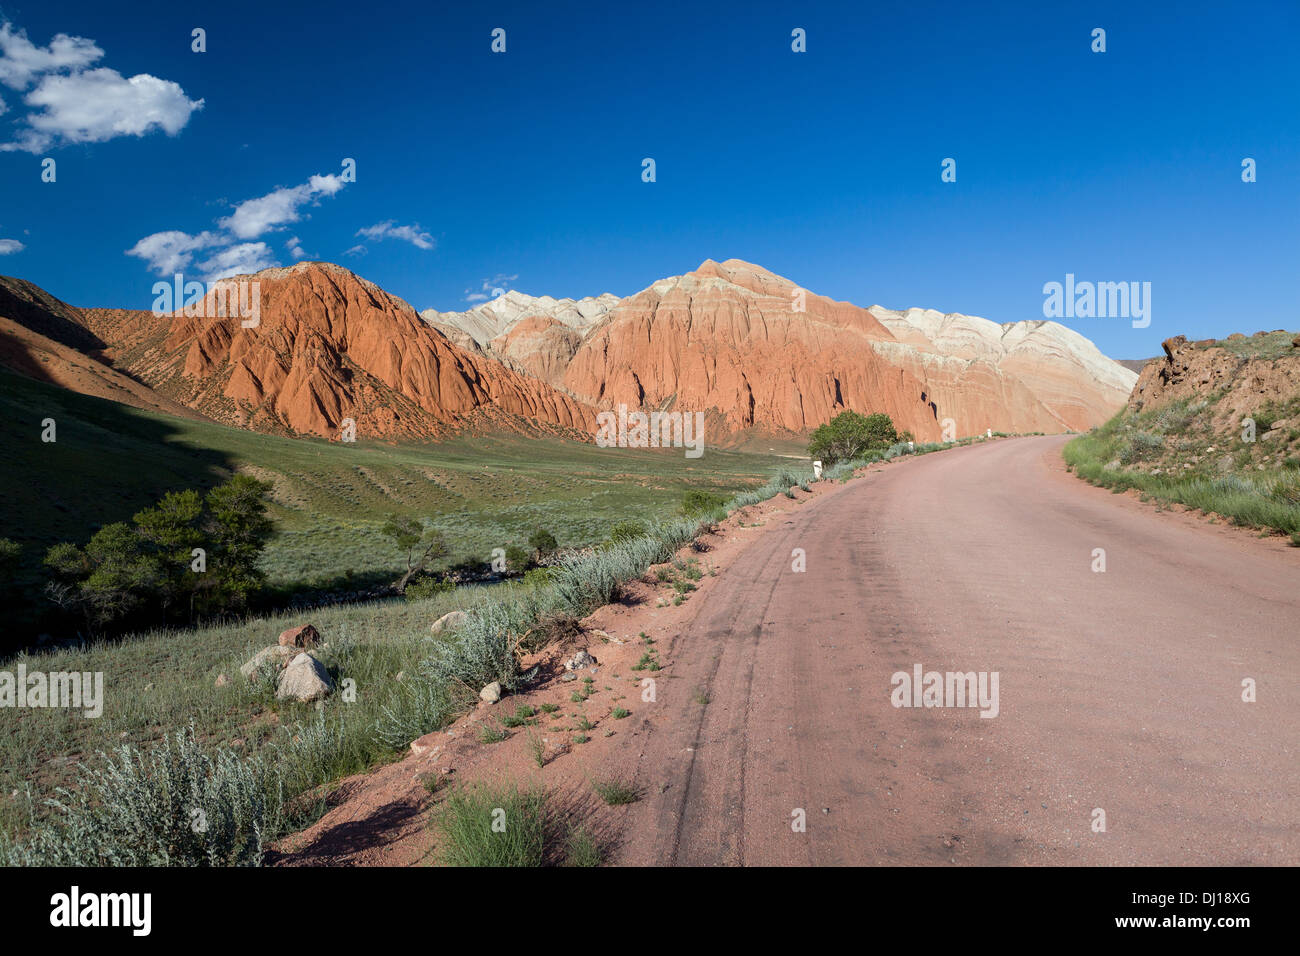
{"x":539,"y":577}
{"x":517,"y":558}
{"x":422,"y":706}
{"x":849,"y":434}
{"x":427,"y":587}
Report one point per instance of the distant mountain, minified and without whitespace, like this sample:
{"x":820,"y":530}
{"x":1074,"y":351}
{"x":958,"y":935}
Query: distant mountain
{"x":486,"y":322}
{"x":759,"y":355}
{"x":1020,"y":376}
{"x":536,"y":335}
{"x":729,"y":339}
{"x":329,"y":346}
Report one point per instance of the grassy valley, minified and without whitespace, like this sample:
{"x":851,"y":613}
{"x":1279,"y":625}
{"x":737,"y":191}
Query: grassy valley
{"x":329,"y":500}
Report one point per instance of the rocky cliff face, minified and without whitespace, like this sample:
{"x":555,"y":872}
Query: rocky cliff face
{"x":727,"y":339}
{"x":329,"y":346}
{"x":1242,"y":373}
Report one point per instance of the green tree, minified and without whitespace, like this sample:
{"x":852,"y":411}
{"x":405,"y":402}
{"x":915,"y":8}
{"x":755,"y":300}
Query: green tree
{"x":112,"y":576}
{"x":237,"y":528}
{"x":126,"y":567}
{"x":419,"y":544}
{"x":517,"y":558}
{"x":849,"y":434}
{"x":171,"y":530}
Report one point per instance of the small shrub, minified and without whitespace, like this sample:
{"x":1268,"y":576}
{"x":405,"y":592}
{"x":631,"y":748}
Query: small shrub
{"x":175,"y":805}
{"x":542,"y":541}
{"x":468,"y":838}
{"x":581,"y":849}
{"x":427,"y":587}
{"x":696,"y":502}
{"x":616,"y":793}
{"x":523,"y":714}
{"x":537,"y":749}
{"x":490,"y":734}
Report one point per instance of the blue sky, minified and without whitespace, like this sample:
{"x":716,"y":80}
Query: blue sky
{"x":523,"y":169}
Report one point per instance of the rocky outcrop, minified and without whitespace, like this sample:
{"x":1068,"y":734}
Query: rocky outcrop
{"x":535,"y":335}
{"x":539,"y":346}
{"x":330,"y":346}
{"x":449,"y":621}
{"x":305,"y":635}
{"x":730,"y":337}
{"x":1248,"y":378}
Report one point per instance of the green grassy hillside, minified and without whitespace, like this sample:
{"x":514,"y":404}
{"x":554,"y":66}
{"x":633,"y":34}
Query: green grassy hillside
{"x":329,"y":499}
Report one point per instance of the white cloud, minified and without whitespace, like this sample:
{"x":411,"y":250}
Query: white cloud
{"x":21,"y":60}
{"x":356,"y":251}
{"x":253,"y":217}
{"x":73,"y":104}
{"x":9,"y":246}
{"x":412,"y":234}
{"x":238,"y":260}
{"x":170,"y":252}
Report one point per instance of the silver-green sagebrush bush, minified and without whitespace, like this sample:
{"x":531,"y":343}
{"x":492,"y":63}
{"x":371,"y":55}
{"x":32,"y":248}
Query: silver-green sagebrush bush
{"x":176,"y":805}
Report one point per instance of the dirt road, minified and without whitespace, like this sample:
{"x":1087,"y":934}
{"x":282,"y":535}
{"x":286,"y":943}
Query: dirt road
{"x":1119,"y":691}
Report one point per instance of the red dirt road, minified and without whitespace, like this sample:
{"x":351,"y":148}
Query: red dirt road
{"x":1119,"y":690}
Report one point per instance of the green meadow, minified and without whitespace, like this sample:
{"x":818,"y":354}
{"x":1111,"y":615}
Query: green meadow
{"x":329,"y":500}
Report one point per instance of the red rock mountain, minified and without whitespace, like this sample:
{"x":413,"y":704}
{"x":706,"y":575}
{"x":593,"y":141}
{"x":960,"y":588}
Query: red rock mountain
{"x":329,"y":346}
{"x":753,"y":351}
{"x":726,"y":338}
{"x":730,"y":339}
